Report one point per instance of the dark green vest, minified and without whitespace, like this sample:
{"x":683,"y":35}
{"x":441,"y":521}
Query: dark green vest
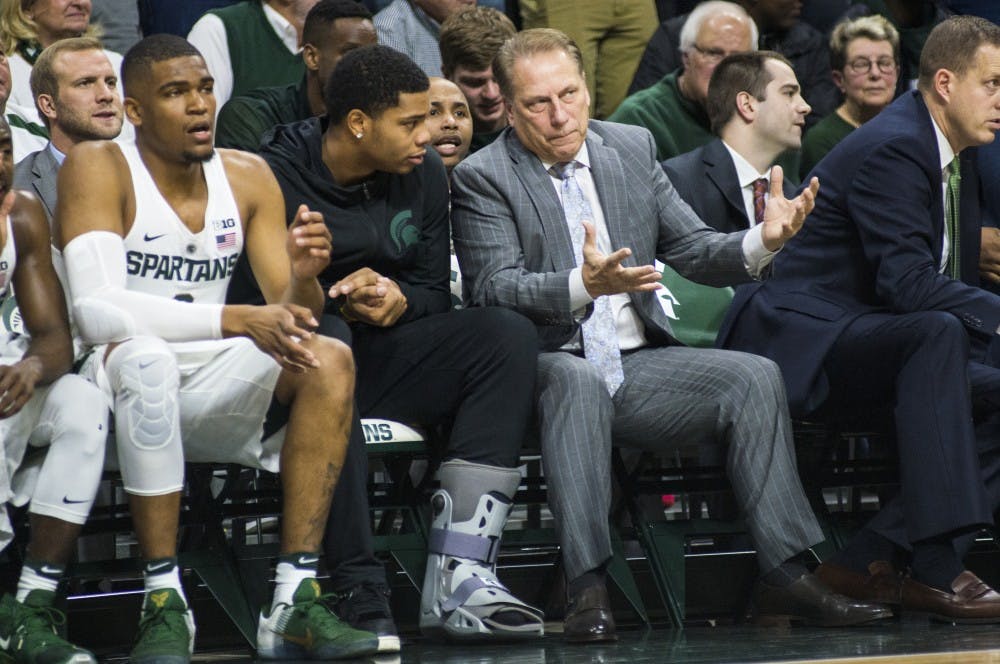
{"x":258,"y":55}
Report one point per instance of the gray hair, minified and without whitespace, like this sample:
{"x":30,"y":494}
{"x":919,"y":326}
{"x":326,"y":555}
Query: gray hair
{"x":705,"y":11}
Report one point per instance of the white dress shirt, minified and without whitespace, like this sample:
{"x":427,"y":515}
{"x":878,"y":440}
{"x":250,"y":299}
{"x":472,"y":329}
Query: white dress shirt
{"x":631,"y":331}
{"x":947,"y":155}
{"x":746,"y":175}
{"x":208,"y":35}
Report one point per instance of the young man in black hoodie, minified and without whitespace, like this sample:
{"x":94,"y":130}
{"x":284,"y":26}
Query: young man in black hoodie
{"x":384,"y":197}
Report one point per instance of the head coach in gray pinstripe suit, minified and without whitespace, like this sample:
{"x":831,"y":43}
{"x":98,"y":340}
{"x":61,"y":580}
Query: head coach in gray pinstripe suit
{"x":513,"y":210}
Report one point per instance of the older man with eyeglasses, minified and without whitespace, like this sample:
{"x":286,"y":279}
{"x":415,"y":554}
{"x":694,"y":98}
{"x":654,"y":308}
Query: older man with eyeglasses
{"x":673,"y":110}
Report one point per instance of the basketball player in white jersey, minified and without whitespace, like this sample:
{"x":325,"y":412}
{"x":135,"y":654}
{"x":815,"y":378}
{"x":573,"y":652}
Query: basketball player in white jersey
{"x":150,"y":234}
{"x":40,"y":405}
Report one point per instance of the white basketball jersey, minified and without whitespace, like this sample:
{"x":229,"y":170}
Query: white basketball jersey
{"x":163,"y":257}
{"x":11,"y":326}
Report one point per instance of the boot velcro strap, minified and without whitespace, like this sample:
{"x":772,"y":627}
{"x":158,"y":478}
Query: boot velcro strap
{"x":465,"y":590}
{"x":462,"y":545}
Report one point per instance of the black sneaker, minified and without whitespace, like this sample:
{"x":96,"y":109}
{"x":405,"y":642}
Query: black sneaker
{"x":366,"y":607}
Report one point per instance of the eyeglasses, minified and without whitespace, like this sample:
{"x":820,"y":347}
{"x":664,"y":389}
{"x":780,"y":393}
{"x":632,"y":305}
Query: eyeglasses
{"x":712,"y":55}
{"x":864,"y":65}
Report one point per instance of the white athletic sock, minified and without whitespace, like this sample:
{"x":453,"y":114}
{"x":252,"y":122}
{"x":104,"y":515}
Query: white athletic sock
{"x":292,"y":569}
{"x":162,"y":573}
{"x":38,"y":575}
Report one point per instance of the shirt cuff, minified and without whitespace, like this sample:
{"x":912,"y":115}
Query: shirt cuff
{"x":756,"y":257}
{"x":578,"y":295}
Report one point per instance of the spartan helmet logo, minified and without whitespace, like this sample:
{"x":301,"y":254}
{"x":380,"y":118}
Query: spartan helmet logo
{"x":402,"y":232}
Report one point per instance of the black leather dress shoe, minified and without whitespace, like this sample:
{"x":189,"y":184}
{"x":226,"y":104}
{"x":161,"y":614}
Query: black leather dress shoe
{"x":806,"y":600}
{"x":588,"y":617}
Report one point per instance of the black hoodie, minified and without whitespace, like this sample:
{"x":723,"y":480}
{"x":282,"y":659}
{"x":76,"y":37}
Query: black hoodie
{"x":397,"y":225}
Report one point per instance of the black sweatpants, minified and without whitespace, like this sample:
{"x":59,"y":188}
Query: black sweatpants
{"x":470,"y":369}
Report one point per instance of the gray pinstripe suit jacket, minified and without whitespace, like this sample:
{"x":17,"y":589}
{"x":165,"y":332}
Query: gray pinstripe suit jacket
{"x":514,"y":248}
{"x":38,"y":173}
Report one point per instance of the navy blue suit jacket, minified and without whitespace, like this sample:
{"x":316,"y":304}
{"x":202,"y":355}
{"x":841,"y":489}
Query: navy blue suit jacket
{"x":706,"y":180}
{"x":872,"y":244}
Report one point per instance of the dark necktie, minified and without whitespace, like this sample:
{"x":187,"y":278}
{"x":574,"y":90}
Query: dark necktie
{"x":759,"y":199}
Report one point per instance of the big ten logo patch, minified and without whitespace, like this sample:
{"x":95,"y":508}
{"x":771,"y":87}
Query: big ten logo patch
{"x":223,"y":224}
{"x":377,"y":433}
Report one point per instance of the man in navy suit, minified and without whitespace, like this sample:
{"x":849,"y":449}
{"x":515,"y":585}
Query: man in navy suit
{"x":756,"y":108}
{"x":869,"y":305}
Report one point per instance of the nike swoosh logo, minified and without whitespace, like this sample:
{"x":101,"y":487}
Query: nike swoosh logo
{"x":149,"y":238}
{"x":143,"y":365}
{"x":308,"y":560}
{"x":72,"y":502}
{"x":50,"y":570}
{"x":153,"y":568}
{"x":304,"y":641}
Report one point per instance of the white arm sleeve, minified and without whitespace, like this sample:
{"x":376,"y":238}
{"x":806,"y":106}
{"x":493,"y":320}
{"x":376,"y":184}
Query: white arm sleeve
{"x":106,"y":311}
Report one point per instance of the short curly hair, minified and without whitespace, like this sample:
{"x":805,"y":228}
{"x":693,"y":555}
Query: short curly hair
{"x":370,"y":79}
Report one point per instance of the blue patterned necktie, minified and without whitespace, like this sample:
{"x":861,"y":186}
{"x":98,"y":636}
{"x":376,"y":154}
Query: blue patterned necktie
{"x":600,"y":335}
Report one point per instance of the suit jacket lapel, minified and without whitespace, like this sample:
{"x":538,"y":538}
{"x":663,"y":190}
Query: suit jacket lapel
{"x":720,"y":170}
{"x":538,"y":184}
{"x":609,"y":179}
{"x":43,"y":179}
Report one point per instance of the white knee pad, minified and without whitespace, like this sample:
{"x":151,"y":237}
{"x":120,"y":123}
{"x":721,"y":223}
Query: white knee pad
{"x":74,"y":423}
{"x":145,"y":380}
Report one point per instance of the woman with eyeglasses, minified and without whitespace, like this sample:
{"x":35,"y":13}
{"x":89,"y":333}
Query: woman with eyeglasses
{"x":864,"y":55}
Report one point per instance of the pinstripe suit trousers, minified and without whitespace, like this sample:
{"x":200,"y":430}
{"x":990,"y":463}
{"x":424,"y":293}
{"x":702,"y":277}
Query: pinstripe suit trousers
{"x":672,"y":396}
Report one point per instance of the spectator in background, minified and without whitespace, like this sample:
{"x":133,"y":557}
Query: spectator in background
{"x":413,"y":26}
{"x":251,"y":45}
{"x":864,"y":55}
{"x":119,"y":21}
{"x":611,"y":36}
{"x":26,"y":135}
{"x":780,"y":30}
{"x":174,"y":17}
{"x":673,"y":110}
{"x":449,"y":122}
{"x":470,"y":39}
{"x":913,"y":19}
{"x":332,"y":28}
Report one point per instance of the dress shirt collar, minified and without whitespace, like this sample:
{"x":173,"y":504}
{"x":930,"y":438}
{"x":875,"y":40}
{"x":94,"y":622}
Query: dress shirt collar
{"x":56,"y":154}
{"x":582,"y":158}
{"x":944,"y":147}
{"x":285,"y":30}
{"x":745,"y":172}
